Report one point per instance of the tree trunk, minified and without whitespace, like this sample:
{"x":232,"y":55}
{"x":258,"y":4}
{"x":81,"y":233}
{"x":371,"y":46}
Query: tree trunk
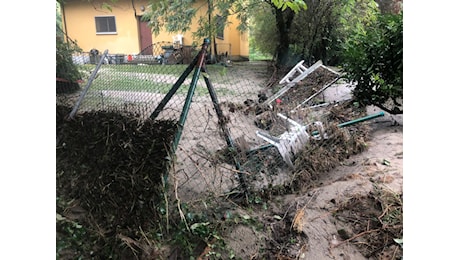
{"x":283,"y":23}
{"x":212,"y":54}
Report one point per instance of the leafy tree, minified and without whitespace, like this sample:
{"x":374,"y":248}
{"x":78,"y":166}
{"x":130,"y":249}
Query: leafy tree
{"x":390,"y":6}
{"x":275,"y":24}
{"x":349,"y":17}
{"x":263,"y":35}
{"x":316,"y":33}
{"x":65,"y":68}
{"x":284,"y":19}
{"x":373,"y":58}
{"x":58,"y":20}
{"x":177,"y":15}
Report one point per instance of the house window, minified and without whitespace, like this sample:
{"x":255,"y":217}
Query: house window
{"x":105,"y":25}
{"x":220,"y":27}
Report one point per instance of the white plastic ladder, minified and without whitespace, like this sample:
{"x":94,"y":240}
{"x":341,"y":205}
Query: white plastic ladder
{"x":299,"y":72}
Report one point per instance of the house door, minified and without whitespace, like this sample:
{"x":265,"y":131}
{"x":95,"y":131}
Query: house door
{"x":145,"y":37}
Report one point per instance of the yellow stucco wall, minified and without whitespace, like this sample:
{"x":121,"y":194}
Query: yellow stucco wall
{"x":235,"y":42}
{"x":80,"y":26}
{"x":244,"y":45}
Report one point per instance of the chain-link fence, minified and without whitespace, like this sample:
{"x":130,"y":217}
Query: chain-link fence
{"x":136,"y":84}
{"x":238,"y":142}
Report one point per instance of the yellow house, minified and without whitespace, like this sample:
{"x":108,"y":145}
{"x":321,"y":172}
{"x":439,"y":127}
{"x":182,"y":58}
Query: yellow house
{"x":121,"y":31}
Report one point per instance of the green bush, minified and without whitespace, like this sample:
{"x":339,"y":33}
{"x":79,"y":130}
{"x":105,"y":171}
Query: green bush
{"x":65,"y":68}
{"x":373,"y":59}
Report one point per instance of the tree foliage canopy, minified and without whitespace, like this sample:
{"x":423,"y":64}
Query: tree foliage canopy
{"x":173,"y":16}
{"x":177,"y":15}
{"x":294,"y":5}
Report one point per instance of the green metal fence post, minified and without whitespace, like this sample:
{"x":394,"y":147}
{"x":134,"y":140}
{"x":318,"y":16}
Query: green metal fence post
{"x":225,"y":130}
{"x":191,"y":91}
{"x":174,"y":89}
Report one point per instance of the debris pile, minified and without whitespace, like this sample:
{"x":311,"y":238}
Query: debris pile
{"x":377,"y":218}
{"x":109,"y":171}
{"x":324,"y":155}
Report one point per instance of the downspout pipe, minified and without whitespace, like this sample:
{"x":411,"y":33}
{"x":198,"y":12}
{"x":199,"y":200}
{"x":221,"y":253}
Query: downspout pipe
{"x":64,"y":22}
{"x":134,"y":8}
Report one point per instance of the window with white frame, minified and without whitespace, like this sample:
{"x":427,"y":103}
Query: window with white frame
{"x":105,"y":25}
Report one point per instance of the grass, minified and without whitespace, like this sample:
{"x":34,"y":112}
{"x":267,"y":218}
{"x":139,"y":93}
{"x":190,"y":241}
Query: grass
{"x":254,"y":55}
{"x":135,"y":80}
{"x":152,"y":78}
{"x":151,"y":69}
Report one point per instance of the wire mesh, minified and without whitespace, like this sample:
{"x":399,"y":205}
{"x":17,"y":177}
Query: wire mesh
{"x":136,"y":84}
{"x":205,"y":162}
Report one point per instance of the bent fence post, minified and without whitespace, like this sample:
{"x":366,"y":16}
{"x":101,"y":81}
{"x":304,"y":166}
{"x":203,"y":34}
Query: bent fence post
{"x":88,"y":84}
